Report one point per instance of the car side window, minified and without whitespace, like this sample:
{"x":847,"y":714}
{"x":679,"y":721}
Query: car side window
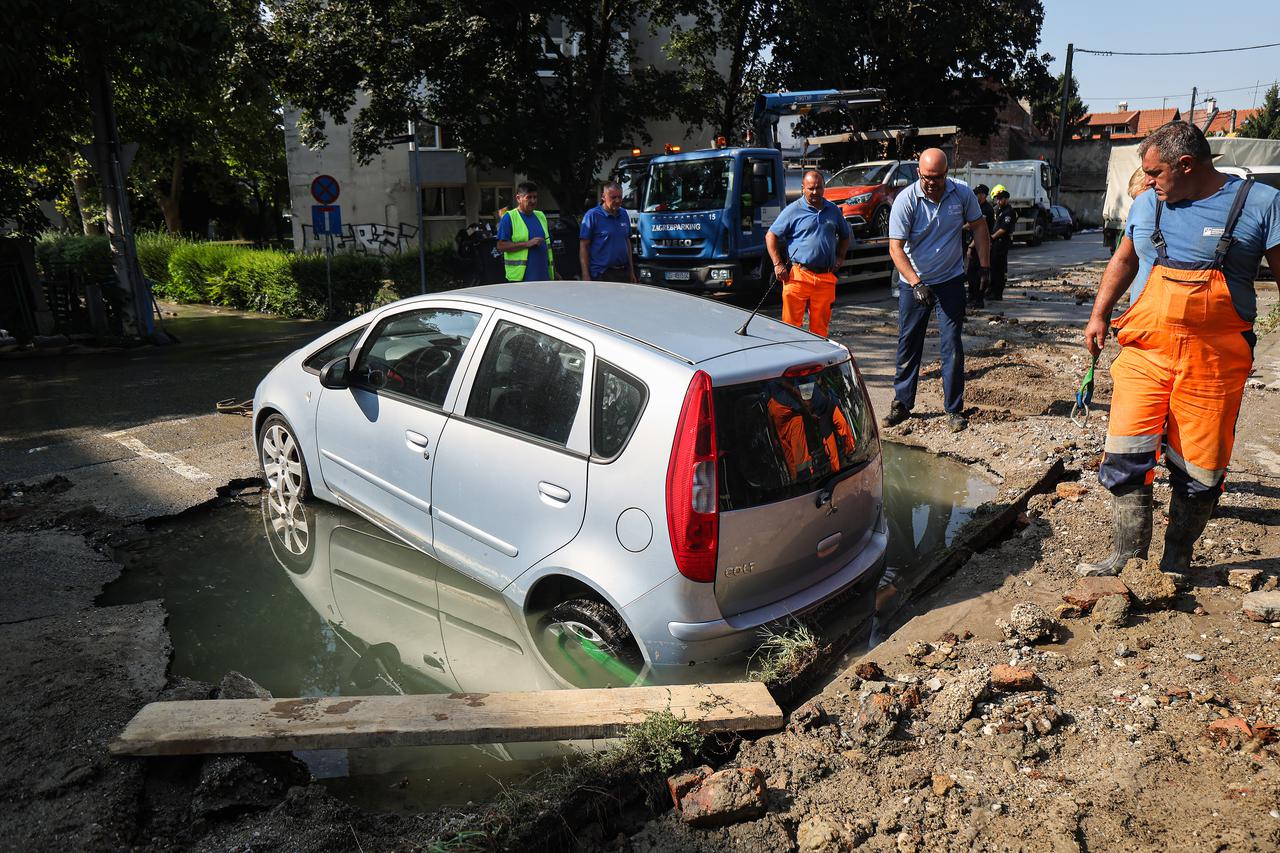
{"x":619,"y":400}
{"x":342,"y":346}
{"x":415,"y":353}
{"x":908,"y":171}
{"x":529,"y":382}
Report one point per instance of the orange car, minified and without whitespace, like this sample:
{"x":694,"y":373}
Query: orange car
{"x":865,"y":193}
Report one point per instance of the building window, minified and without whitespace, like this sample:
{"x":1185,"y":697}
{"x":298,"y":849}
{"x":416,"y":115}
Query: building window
{"x":436,"y":136}
{"x":444,"y":201}
{"x":493,"y":199}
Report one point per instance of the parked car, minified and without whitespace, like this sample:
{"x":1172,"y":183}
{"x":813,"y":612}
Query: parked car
{"x":865,"y":193}
{"x":735,"y":480}
{"x":1061,"y":223}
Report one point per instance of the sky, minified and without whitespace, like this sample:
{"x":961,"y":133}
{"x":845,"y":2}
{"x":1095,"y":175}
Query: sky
{"x":1150,"y":82}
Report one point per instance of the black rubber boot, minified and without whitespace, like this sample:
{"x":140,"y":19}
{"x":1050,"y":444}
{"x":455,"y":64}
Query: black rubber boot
{"x":1130,"y":530}
{"x":1187,"y":520}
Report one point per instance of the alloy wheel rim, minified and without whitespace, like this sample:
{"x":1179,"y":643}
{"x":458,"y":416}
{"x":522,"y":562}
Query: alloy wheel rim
{"x":289,"y":523}
{"x":282,"y":463}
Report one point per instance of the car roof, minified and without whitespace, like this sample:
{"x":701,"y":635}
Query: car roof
{"x":691,"y":328}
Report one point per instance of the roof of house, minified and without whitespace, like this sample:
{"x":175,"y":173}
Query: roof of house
{"x":1222,"y":121}
{"x":1149,"y":120}
{"x":1092,"y":119}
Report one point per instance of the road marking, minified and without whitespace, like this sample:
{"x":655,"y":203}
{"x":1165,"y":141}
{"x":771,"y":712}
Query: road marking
{"x":168,"y":460}
{"x":121,"y":432}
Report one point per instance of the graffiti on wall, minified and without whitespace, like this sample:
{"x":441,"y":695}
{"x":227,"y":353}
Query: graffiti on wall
{"x":368,"y":238}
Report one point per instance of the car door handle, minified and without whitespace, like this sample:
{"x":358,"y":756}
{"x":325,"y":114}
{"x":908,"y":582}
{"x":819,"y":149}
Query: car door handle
{"x":554,"y":492}
{"x":418,"y":443}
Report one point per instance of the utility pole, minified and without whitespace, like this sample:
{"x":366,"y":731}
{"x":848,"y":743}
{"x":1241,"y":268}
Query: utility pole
{"x":417,"y":203}
{"x":1191,"y":116}
{"x":1062,"y":122}
{"x":112,"y":161}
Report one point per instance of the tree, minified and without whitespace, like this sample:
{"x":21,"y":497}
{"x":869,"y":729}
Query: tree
{"x":938,"y":62}
{"x":550,"y":89}
{"x":1046,"y":106}
{"x":1265,"y":123}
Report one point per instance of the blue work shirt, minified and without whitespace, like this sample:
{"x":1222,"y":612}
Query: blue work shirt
{"x":1191,"y":230}
{"x":932,"y":232}
{"x":536,"y":265}
{"x":811,"y":234}
{"x":610,"y":236}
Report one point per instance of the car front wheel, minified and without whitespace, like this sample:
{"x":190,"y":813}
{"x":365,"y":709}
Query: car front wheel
{"x":283,"y":467}
{"x":880,"y":223}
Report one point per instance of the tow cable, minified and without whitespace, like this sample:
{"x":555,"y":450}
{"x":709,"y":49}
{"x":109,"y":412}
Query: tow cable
{"x":232,"y":406}
{"x":1080,"y":411}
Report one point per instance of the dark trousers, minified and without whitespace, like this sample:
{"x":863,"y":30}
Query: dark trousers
{"x":619,"y":274}
{"x":974,"y":274}
{"x":913,"y":322}
{"x":999,"y":271}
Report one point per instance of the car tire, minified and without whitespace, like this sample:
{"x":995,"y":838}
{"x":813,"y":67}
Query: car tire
{"x":1066,"y":235}
{"x":880,"y":222}
{"x":290,"y":529}
{"x":283,"y":467}
{"x":595,"y":624}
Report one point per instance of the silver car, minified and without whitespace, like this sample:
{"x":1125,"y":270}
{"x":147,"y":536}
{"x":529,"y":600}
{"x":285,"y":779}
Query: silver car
{"x":616,"y":460}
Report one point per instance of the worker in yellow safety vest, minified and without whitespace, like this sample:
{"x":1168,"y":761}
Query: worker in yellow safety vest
{"x":522,"y":239}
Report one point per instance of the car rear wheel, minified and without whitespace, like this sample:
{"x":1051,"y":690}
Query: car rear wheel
{"x":587,"y":643}
{"x":283,"y":467}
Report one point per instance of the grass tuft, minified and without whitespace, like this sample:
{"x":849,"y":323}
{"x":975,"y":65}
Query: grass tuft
{"x":783,"y":654}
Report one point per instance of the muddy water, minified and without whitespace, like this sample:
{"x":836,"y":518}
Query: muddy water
{"x":314,"y":601}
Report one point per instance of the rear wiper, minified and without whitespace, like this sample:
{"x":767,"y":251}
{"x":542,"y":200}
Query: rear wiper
{"x":829,"y":485}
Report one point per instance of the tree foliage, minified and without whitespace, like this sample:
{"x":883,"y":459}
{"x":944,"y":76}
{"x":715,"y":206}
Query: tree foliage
{"x":189,"y":82}
{"x":1046,"y":106}
{"x":1265,"y":123}
{"x":550,"y":89}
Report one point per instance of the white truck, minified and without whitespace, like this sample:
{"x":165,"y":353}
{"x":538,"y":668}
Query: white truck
{"x":1030,"y":184}
{"x":1259,"y":158}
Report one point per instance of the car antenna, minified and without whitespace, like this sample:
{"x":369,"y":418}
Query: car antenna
{"x":742,"y":330}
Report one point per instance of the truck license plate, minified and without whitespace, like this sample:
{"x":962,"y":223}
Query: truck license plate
{"x":678,"y":275}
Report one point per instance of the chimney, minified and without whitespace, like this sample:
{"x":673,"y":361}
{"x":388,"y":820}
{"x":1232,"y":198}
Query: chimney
{"x":1210,"y":104}
{"x":1123,"y":106}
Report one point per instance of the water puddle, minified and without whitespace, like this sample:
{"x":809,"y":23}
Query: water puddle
{"x":315,"y":601}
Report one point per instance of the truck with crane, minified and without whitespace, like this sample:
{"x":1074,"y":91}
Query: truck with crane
{"x":703,"y":214}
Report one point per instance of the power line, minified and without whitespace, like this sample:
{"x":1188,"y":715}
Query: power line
{"x":1175,"y":95}
{"x":1174,"y":52}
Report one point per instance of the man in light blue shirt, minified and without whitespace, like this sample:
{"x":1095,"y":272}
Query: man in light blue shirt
{"x":925,"y":242}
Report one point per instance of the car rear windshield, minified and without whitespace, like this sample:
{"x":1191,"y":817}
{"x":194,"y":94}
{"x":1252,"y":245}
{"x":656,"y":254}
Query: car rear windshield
{"x":786,"y":437}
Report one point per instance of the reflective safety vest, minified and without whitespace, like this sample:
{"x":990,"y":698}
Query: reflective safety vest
{"x":515,"y":262}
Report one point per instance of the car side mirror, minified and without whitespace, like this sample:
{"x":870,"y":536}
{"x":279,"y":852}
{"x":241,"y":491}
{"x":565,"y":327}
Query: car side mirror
{"x":899,"y":183}
{"x":334,"y":374}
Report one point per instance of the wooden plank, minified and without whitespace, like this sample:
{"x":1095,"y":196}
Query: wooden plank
{"x":273,"y":725}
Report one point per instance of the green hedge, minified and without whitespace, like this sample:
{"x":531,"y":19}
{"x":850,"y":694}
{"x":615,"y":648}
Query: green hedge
{"x":89,"y":256}
{"x":267,"y":280}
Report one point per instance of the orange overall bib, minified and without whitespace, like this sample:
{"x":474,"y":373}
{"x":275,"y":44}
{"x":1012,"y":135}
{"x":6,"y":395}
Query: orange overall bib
{"x":805,"y":288}
{"x":1184,"y":358}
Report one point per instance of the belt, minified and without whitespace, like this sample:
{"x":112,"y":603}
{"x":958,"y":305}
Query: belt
{"x":823,"y":271}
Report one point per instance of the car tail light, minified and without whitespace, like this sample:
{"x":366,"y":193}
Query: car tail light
{"x":693,"y":506}
{"x":802,"y":370}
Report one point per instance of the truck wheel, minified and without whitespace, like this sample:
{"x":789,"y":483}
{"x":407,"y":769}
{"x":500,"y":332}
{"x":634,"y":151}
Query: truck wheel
{"x":1037,"y":231}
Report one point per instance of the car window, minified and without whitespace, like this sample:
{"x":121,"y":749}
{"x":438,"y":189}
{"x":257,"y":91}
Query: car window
{"x":342,"y":346}
{"x":908,"y":171}
{"x":619,"y":400}
{"x":416,"y":353}
{"x":529,"y":382}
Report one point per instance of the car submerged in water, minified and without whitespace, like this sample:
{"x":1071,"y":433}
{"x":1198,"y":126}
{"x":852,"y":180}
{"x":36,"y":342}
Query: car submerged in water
{"x":618,"y":461}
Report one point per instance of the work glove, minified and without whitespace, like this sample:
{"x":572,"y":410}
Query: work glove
{"x":923,"y":294}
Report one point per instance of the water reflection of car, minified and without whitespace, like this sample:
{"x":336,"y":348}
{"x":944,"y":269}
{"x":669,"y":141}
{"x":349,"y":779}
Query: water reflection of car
{"x":416,"y":625}
{"x":470,"y":424}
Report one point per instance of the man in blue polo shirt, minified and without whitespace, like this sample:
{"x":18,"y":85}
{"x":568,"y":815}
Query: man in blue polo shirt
{"x":604,"y":240}
{"x":925,"y":243}
{"x":807,"y":243}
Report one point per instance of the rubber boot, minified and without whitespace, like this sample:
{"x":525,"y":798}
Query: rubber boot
{"x":1187,"y":520}
{"x":1130,"y":530}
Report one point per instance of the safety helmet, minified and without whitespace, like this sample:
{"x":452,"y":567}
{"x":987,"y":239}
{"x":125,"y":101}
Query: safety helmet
{"x":997,"y":189}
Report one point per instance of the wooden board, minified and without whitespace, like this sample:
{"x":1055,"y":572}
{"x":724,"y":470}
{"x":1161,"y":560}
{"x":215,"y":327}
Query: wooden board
{"x":274,"y":725}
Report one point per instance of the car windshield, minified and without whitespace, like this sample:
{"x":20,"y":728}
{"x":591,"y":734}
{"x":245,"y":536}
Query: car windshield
{"x":689,"y":185}
{"x":784,"y":437}
{"x":860,"y":176}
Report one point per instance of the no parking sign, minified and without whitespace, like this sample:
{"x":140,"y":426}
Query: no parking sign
{"x":324,"y":189}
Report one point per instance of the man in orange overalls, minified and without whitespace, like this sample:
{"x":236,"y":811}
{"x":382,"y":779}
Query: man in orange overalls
{"x":1186,"y":341}
{"x":807,"y":243}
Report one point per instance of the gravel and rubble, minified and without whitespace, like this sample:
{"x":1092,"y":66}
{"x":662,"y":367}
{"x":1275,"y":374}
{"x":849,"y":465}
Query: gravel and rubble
{"x":1027,"y":708}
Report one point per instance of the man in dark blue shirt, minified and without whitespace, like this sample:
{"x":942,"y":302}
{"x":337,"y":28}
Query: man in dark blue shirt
{"x":604,"y":240}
